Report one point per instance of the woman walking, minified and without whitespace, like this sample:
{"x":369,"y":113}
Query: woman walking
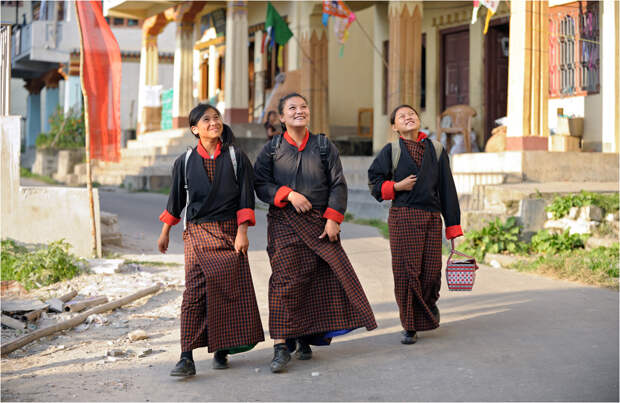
{"x":414,"y":172}
{"x":314,"y":293}
{"x":214,"y":183}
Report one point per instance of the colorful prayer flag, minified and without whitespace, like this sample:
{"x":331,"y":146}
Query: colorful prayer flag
{"x":276,"y":27}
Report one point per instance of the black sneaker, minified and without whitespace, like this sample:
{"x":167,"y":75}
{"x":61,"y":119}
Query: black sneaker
{"x":281,"y":357}
{"x":409,"y":337}
{"x":220,"y":360}
{"x":435,"y":312}
{"x":303,"y":352}
{"x":185,"y":367}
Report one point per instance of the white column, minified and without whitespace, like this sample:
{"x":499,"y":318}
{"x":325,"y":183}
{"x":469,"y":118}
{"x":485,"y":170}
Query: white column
{"x":182,"y":97}
{"x":213,"y":57}
{"x":149,"y":60}
{"x":381,"y":127}
{"x":292,"y":45}
{"x":259,"y":76}
{"x":73,"y":95}
{"x":609,"y":72}
{"x":236,"y":91}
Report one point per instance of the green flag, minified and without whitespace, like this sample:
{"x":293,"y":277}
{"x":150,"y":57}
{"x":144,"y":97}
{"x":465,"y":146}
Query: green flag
{"x":276,"y":26}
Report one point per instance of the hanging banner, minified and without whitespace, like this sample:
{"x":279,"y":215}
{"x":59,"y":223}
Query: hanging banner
{"x":491,"y":6}
{"x":343,"y":18}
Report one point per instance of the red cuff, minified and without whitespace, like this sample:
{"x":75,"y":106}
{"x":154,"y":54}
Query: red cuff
{"x":332,"y":214}
{"x":168,"y":218}
{"x":279,"y":200}
{"x":453,"y":231}
{"x":387,"y":190}
{"x":246,"y":214}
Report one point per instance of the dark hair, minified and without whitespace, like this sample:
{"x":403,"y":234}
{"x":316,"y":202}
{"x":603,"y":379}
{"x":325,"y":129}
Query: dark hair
{"x":283,"y":101}
{"x":286,"y":98}
{"x":199,"y":110}
{"x":393,"y":115}
{"x":266,"y":124}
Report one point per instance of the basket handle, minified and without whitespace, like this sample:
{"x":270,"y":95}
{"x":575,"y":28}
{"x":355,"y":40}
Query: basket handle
{"x":454,"y":251}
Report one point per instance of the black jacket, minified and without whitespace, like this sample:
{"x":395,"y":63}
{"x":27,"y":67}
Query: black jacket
{"x":224,"y":199}
{"x":323,"y":184}
{"x":434,"y":189}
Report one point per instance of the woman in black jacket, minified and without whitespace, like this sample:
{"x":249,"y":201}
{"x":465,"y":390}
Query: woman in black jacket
{"x":414,"y":172}
{"x":314,"y":293}
{"x":214,"y":184}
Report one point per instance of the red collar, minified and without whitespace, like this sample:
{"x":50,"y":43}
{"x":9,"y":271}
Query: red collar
{"x":204,"y":154}
{"x":292,"y":142}
{"x":421,"y":136}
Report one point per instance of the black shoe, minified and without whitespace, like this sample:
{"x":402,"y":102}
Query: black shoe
{"x":409,"y":337}
{"x":303,"y":352}
{"x":185,"y":367}
{"x":435,"y":312}
{"x":219,"y":359}
{"x":281,"y":357}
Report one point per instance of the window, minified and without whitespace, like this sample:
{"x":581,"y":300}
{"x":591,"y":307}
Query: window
{"x":118,"y":21}
{"x":574,"y":49}
{"x":132,"y":23}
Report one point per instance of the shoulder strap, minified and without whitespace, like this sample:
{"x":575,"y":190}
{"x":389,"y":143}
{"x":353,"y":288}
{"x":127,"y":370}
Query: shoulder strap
{"x":275,"y":144}
{"x":324,"y":149}
{"x":438,"y":148}
{"x":187,"y":154}
{"x":395,"y":155}
{"x":233,"y":158}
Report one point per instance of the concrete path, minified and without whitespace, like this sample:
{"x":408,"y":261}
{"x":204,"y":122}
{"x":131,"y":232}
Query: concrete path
{"x":515,"y":337}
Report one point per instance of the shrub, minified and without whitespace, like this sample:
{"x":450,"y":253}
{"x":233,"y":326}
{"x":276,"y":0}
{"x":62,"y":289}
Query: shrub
{"x":546,"y":242}
{"x":40,"y":267}
{"x":66,"y":132}
{"x":560,"y":206}
{"x":495,"y":237}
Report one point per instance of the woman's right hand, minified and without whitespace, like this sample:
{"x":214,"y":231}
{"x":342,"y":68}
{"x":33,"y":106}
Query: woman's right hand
{"x":299,"y":201}
{"x":405,"y":184}
{"x":164,"y":238}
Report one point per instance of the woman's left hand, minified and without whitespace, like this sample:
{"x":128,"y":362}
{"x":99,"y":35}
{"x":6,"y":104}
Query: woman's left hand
{"x":332,"y":229}
{"x":241,"y":240}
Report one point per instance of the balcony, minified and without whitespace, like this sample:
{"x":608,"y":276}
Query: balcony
{"x":41,"y":45}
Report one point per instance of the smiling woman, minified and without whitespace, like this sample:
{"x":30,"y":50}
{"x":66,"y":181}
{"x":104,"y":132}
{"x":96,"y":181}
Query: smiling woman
{"x":213,"y":183}
{"x":314,"y":293}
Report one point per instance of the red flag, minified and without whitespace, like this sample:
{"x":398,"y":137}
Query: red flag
{"x":101,"y":81}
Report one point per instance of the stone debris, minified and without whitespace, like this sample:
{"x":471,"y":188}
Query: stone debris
{"x":105,"y":266}
{"x":316,"y":373}
{"x":145,"y":352}
{"x":115,"y":353}
{"x":137,"y":335}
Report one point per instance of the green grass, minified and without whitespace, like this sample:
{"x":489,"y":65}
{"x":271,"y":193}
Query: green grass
{"x":26,"y":173}
{"x":598,"y":266}
{"x":163,"y":191}
{"x":38,"y":266}
{"x":382,"y":226}
{"x":151,"y":263}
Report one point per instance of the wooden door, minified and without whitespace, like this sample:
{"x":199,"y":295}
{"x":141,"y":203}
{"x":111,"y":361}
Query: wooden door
{"x":496,"y":73}
{"x":455,"y":67}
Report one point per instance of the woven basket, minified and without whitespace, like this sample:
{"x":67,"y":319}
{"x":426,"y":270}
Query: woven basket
{"x":460,"y":274}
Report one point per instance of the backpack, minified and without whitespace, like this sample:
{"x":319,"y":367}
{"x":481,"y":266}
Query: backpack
{"x":323,"y":148}
{"x":233,"y":158}
{"x":396,"y":152}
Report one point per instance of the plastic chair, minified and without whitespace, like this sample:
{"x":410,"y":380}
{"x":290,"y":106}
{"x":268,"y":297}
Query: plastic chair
{"x":461,"y":116}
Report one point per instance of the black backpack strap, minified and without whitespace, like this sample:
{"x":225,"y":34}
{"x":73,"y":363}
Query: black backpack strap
{"x":275,"y":144}
{"x":324,"y":150}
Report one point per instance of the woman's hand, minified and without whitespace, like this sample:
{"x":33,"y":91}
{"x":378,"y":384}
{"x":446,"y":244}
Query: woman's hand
{"x":241,"y":240}
{"x":299,"y":201}
{"x":332,"y":229}
{"x":164,"y":238}
{"x":405,"y":184}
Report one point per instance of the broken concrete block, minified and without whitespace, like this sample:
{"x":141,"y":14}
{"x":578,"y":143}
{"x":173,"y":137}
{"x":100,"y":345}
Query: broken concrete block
{"x":590,"y":213}
{"x":105,"y":266}
{"x":145,"y":352}
{"x":573,"y":212}
{"x":137,"y":335}
{"x":115,"y":353}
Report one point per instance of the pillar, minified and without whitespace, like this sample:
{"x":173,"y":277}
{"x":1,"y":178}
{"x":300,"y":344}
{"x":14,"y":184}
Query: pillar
{"x":33,"y":110}
{"x":149,"y":117}
{"x":73,"y":88}
{"x":213,"y":61}
{"x":236,"y":86}
{"x":52,"y":98}
{"x":609,"y":76}
{"x":182,"y":95}
{"x":405,"y":54}
{"x":528,"y":76}
{"x":259,"y":77}
{"x":314,"y":68}
{"x":381,"y":126}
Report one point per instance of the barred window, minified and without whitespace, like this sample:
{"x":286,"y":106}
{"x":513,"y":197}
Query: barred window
{"x":574,"y":49}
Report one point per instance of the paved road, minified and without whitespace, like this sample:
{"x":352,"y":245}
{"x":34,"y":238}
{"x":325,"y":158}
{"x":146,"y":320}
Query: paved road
{"x":515,"y":337}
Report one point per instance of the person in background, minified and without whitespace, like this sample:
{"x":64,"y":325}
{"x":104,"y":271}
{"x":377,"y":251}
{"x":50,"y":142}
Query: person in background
{"x":214,"y":183}
{"x":414,"y":172}
{"x":272,"y":124}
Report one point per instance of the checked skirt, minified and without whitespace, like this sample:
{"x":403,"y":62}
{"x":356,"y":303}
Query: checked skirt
{"x":219,"y":307}
{"x":313,"y":288}
{"x":415,"y":241}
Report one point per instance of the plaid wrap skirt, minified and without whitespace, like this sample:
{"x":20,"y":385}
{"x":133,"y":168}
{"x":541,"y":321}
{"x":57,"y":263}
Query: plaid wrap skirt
{"x":313,"y":288}
{"x":219,"y":307}
{"x":415,"y":242}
